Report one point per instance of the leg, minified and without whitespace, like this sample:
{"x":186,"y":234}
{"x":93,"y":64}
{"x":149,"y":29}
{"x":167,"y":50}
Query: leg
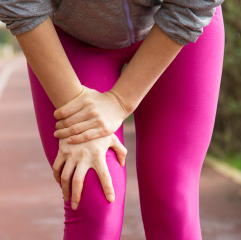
{"x":95,"y":218}
{"x":174,"y":124}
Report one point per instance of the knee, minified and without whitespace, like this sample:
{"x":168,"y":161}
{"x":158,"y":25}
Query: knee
{"x":95,"y":217}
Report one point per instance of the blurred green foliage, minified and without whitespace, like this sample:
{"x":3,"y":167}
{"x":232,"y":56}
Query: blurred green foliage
{"x":8,"y":43}
{"x":226,"y":139}
{"x":234,"y":161}
{"x":6,"y":36}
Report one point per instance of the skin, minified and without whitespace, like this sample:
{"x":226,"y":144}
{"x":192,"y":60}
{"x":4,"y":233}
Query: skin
{"x":93,"y":113}
{"x":82,"y":112}
{"x":151,"y":59}
{"x":79,"y":158}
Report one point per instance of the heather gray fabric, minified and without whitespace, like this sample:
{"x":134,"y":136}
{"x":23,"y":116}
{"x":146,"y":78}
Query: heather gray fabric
{"x":103,"y":23}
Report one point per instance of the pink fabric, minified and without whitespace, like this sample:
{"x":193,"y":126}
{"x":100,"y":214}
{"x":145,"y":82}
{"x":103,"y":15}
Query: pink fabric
{"x":174,"y":124}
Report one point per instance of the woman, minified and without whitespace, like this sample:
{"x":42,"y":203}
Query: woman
{"x":171,"y":84}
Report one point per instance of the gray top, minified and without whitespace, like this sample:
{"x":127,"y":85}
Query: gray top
{"x":112,"y":24}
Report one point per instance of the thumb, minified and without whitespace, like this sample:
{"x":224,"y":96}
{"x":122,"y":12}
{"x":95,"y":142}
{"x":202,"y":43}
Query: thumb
{"x":119,"y":149}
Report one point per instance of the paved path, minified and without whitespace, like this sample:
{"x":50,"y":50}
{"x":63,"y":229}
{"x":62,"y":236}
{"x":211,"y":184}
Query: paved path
{"x":31,"y":204}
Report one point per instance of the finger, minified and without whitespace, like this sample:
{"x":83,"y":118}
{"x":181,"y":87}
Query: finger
{"x":77,"y":184}
{"x":86,"y":136}
{"x":105,"y":179}
{"x":66,"y":177}
{"x":57,"y":166}
{"x":77,"y":117}
{"x":119,"y":149}
{"x":69,"y":108}
{"x":75,"y":129}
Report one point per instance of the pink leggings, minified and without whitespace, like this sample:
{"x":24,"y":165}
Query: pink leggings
{"x":174,"y":125}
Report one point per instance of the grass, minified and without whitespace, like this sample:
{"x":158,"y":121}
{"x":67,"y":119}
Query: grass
{"x":232,"y":159}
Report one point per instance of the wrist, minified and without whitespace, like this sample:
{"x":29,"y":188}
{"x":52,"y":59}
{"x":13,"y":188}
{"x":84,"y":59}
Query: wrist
{"x":78,"y":90}
{"x":127,"y":107}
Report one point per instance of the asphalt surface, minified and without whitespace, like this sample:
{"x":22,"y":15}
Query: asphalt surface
{"x":31,"y":205}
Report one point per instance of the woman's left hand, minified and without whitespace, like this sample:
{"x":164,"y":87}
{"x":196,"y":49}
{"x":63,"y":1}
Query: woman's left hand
{"x":90,"y":115}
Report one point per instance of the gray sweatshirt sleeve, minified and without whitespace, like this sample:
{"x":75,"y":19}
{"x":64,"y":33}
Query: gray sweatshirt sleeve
{"x":22,"y":16}
{"x":183,"y":21}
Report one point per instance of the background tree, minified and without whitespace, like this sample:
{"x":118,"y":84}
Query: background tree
{"x":226,"y":140}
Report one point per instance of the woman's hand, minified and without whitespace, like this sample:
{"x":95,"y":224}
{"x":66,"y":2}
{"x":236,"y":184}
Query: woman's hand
{"x":78,"y":158}
{"x":90,"y":115}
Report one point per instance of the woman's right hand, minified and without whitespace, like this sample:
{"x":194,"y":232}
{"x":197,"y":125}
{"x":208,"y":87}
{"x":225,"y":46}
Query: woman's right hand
{"x":78,"y":158}
{"x":90,"y":115}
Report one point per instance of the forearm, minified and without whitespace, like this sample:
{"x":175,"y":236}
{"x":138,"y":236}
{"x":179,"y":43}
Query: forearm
{"x":151,"y":59}
{"x":47,"y":58}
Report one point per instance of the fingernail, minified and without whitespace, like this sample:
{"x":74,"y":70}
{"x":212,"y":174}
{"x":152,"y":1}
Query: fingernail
{"x":69,"y":140}
{"x":55,"y":134}
{"x":111,"y":198}
{"x":74,"y":205}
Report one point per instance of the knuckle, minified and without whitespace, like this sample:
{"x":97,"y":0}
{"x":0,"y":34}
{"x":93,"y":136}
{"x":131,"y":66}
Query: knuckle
{"x":86,"y":136}
{"x":93,"y":113}
{"x":105,"y":129}
{"x":65,"y":192}
{"x":97,"y":161}
{"x":63,"y":113}
{"x":104,"y":175}
{"x":55,"y":169}
{"x":75,"y":197}
{"x":64,"y":178}
{"x":88,"y":101}
{"x":97,"y":153}
{"x":74,"y":130}
{"x":63,"y":150}
{"x":66,"y":122}
{"x":83,"y":153}
{"x":100,"y":122}
{"x":78,"y":181}
{"x":93,"y":103}
{"x":73,"y":154}
{"x":86,"y":161}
